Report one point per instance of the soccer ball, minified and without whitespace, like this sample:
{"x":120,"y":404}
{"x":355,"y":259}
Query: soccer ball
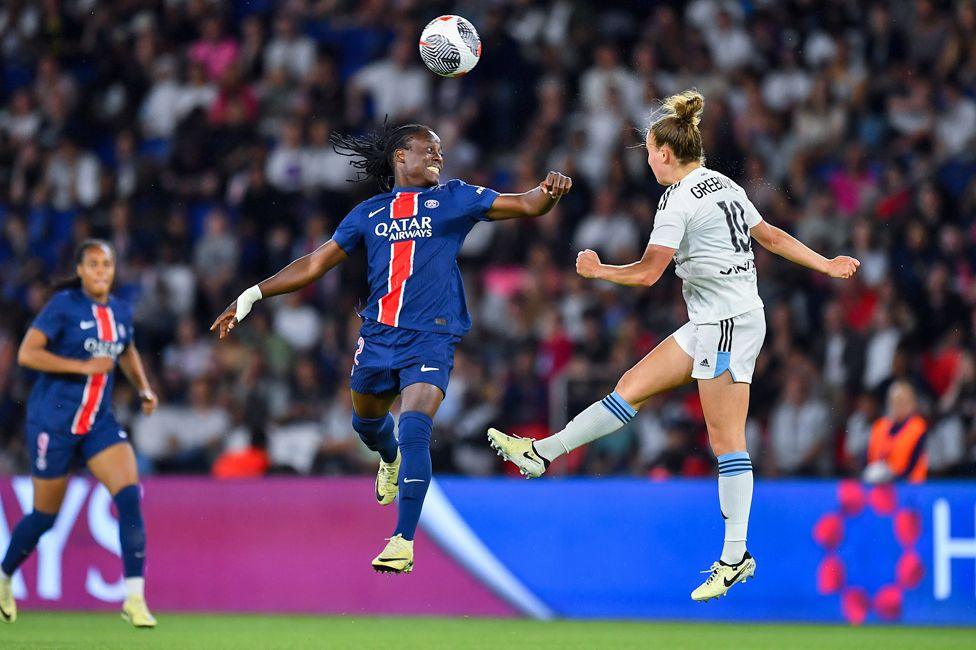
{"x":450,"y":46}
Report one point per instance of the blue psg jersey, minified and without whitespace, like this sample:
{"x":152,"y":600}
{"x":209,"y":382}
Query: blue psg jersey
{"x":78,"y":328}
{"x":412,"y":238}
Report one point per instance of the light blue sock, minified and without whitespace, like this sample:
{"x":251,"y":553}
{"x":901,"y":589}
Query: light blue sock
{"x":735,"y":499}
{"x":595,"y":421}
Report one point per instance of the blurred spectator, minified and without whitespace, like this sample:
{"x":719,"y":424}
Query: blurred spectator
{"x":288,"y":50}
{"x":397,"y":86}
{"x":729,"y":44}
{"x":799,"y":431}
{"x":161,"y":108}
{"x":184,"y":438}
{"x":286,"y":165}
{"x":607,"y":230}
{"x":857,"y":431}
{"x":215,"y":51}
{"x":897,"y":447}
{"x":72,"y":177}
{"x":297,"y":322}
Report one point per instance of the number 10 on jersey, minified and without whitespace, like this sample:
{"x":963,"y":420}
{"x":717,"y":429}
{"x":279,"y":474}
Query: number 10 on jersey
{"x":735,"y":217}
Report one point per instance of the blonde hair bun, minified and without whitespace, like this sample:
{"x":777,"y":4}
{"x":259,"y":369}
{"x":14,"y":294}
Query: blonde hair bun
{"x":677,"y":126}
{"x":686,"y":106}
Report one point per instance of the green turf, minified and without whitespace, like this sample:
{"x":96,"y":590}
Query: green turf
{"x":75,"y":630}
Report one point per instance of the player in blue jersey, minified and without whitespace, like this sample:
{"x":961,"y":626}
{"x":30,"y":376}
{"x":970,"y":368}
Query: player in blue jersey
{"x":74,"y":345}
{"x":416,"y":311}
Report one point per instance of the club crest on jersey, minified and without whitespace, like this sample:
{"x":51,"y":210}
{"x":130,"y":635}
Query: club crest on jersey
{"x":400,"y":229}
{"x":104,"y":348}
{"x":431,"y":203}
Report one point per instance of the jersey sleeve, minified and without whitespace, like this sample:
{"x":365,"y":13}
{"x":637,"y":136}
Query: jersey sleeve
{"x":753,"y":218}
{"x":348,"y":235}
{"x":473,"y":200}
{"x":51,"y":318}
{"x":670,"y":223}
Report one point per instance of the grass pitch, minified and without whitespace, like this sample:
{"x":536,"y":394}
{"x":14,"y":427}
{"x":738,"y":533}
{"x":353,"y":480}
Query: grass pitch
{"x":101,"y":630}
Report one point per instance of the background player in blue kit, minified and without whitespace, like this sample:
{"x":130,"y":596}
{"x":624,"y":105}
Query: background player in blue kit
{"x":416,"y":311}
{"x":74,"y":343}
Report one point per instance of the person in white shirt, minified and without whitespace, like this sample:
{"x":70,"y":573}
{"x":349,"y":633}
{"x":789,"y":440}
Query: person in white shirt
{"x":397,"y":85}
{"x":290,"y":50}
{"x":705,"y":223}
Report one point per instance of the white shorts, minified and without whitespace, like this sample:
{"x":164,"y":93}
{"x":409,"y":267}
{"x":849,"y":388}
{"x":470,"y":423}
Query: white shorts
{"x":732,"y":344}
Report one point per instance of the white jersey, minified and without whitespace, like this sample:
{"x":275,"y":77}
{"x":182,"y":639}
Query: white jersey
{"x":707,"y":217}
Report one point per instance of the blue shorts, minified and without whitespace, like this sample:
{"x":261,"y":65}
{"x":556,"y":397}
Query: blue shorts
{"x":388,"y":359}
{"x":55,"y":453}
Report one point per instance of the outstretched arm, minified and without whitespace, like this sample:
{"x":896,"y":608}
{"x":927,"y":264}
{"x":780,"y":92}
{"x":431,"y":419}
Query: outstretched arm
{"x":300,"y":273}
{"x":534,"y":203}
{"x":644,"y":272}
{"x":778,"y":241}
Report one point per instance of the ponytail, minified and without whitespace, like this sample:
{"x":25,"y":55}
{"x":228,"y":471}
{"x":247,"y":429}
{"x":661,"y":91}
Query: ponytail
{"x":375,"y":151}
{"x":678,"y":126}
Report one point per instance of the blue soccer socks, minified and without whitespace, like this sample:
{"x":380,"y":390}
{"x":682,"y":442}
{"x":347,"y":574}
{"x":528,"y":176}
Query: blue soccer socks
{"x":377,"y":434}
{"x":24,"y":539}
{"x":132,"y":532}
{"x":415,"y":470}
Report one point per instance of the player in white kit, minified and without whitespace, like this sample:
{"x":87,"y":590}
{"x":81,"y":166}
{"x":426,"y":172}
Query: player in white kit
{"x":705,"y":222}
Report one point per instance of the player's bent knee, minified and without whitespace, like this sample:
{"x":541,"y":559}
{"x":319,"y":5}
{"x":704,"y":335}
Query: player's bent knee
{"x":628,"y":387}
{"x":726,"y":442}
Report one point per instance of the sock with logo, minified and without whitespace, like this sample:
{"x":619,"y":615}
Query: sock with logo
{"x":24,"y":538}
{"x":415,"y":470}
{"x":735,"y":499}
{"x":377,"y":434}
{"x":595,"y":421}
{"x":132,"y":532}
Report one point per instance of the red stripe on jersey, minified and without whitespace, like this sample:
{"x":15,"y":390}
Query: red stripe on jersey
{"x":91,"y":398}
{"x":404,"y":205}
{"x":401,"y":268}
{"x":105,"y":320}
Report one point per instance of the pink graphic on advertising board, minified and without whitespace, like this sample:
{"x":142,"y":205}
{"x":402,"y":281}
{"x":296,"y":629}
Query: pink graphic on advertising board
{"x":270,"y":545}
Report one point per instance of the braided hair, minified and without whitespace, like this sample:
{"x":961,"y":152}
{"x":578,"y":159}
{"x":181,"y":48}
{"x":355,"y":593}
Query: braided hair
{"x":375,"y":150}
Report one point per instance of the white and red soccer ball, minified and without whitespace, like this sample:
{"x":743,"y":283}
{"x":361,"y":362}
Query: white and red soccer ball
{"x":450,"y":46}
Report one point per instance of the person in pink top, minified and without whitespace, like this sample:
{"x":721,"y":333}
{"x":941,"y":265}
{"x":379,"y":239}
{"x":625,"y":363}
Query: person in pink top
{"x":215,"y":51}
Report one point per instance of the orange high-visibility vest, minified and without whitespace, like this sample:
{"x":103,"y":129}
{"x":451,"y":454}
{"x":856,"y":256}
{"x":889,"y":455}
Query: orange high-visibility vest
{"x":902,"y":446}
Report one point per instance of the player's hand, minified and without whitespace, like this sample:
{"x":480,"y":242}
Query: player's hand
{"x":98,"y":365}
{"x":588,"y":263}
{"x":842,"y":266}
{"x":149,"y":401}
{"x":556,"y":184}
{"x":226,"y":321}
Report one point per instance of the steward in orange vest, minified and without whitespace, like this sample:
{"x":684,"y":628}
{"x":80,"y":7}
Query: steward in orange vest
{"x":898,"y":439}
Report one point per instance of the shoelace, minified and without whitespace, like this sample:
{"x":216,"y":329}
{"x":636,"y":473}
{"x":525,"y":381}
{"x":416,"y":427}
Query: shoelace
{"x":713,"y":570}
{"x":386,"y":469}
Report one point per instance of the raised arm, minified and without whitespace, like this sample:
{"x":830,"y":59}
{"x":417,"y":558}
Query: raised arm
{"x":131,"y":364}
{"x":644,"y":272}
{"x":298,"y":274}
{"x":33,"y":354}
{"x":534,"y":203}
{"x":778,"y":241}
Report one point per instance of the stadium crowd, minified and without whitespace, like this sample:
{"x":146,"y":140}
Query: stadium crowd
{"x":194,"y":136}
